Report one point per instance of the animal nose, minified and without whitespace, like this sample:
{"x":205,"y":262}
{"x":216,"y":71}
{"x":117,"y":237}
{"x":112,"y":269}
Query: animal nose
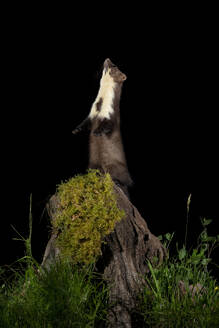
{"x":107,"y":63}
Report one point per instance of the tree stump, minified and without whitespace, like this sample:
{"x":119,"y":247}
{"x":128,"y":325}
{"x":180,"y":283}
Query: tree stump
{"x":123,"y":262}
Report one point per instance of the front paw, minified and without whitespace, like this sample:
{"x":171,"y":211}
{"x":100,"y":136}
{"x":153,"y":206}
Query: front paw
{"x":77,"y":130}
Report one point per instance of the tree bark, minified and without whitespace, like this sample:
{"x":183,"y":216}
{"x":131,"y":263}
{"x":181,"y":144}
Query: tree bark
{"x":123,"y":262}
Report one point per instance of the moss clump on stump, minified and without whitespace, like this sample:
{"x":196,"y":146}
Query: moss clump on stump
{"x":87,"y":212}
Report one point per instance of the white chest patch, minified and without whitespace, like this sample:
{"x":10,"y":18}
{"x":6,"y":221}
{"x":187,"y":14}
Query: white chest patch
{"x":106,"y":93}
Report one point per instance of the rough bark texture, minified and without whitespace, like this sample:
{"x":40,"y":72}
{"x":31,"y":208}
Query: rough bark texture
{"x":123,"y":261}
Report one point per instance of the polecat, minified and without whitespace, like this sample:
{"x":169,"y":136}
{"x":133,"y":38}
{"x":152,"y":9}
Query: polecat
{"x":106,"y":151}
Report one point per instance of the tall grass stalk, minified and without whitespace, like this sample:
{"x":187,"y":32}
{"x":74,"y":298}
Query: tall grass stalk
{"x":66,"y":296}
{"x":187,"y":217}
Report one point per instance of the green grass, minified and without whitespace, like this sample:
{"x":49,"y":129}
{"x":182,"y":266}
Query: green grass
{"x":66,"y":296}
{"x":74,"y":296}
{"x":170,"y":299}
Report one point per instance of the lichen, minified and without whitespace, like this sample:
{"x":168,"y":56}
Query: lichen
{"x":87,"y":212}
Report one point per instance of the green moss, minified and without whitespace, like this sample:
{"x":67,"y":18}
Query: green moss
{"x":88,"y":211}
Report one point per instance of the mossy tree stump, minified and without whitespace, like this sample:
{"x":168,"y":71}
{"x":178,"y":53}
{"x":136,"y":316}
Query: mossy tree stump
{"x":123,"y":262}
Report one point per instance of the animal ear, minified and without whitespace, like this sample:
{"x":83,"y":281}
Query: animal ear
{"x":124,"y":77}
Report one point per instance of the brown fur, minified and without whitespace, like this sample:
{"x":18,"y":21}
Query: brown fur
{"x":106,"y":151}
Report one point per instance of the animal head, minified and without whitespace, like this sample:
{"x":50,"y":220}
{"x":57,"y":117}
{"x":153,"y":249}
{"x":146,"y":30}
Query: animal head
{"x":110,"y":89}
{"x":113,"y":71}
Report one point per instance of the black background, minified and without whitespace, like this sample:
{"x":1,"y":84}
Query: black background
{"x":51,"y":70}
